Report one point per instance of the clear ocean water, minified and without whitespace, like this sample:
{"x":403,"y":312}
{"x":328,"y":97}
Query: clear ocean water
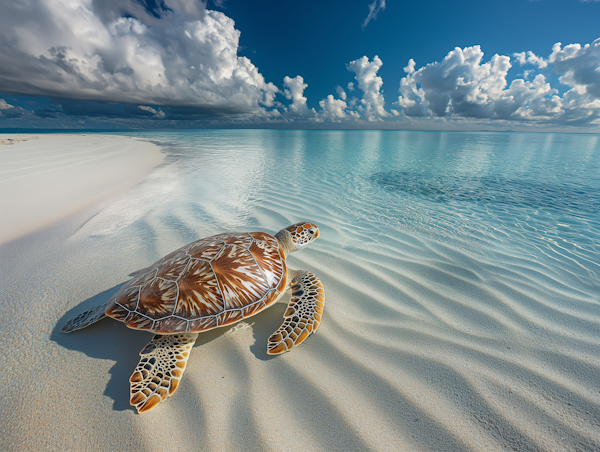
{"x":526,"y":196}
{"x":461,"y":275}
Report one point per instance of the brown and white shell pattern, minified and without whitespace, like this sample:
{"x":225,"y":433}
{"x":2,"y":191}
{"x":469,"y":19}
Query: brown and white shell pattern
{"x":206,"y":284}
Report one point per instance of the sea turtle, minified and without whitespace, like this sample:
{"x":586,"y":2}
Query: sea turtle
{"x":206,"y":284}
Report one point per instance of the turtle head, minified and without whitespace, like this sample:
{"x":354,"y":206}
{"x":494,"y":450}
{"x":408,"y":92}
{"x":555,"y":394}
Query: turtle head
{"x":297,"y":236}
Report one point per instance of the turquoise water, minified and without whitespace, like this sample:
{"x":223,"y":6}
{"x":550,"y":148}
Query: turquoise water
{"x":461,"y":275}
{"x":529,"y":196}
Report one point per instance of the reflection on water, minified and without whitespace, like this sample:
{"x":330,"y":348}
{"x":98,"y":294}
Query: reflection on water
{"x":538,"y":218}
{"x":463,"y":298}
{"x":524,"y":194}
{"x":494,"y":190}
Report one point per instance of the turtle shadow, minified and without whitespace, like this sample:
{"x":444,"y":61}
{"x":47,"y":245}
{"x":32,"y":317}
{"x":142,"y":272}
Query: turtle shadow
{"x":108,"y":339}
{"x":264,"y":325}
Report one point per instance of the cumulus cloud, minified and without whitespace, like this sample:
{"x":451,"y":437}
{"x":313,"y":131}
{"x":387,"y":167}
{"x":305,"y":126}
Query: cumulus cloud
{"x":295,"y":92}
{"x":374,"y":8}
{"x":115,"y":50}
{"x":270,"y":90}
{"x":459,"y":84}
{"x":332,"y":109}
{"x":578,"y":66}
{"x":340,"y":91}
{"x":371,"y":106}
{"x":462,"y":85}
{"x":530,"y":58}
{"x":178,"y":60}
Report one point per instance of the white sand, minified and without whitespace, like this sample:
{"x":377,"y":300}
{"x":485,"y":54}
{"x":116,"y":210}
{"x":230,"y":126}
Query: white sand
{"x":44,"y":178}
{"x":423,"y":347}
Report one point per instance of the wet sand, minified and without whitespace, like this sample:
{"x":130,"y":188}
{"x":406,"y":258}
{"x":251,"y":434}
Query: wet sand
{"x":423,"y":346}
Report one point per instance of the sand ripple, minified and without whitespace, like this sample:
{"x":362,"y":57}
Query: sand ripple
{"x":454,"y":325}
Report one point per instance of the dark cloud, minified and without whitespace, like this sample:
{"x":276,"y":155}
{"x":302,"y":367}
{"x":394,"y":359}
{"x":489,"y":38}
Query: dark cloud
{"x":13,"y":113}
{"x":49,"y":111}
{"x":174,"y":60}
{"x":70,"y":107}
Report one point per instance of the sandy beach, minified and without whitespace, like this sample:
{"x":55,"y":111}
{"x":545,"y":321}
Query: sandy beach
{"x":423,"y":346}
{"x":44,"y":178}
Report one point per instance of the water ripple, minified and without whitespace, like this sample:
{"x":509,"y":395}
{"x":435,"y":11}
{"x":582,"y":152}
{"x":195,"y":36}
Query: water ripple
{"x":462,"y":311}
{"x":492,"y":190}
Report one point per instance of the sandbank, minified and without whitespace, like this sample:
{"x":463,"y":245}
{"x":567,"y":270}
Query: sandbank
{"x":44,"y":178}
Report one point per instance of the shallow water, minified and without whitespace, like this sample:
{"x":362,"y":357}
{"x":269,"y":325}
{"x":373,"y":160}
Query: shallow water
{"x":531,"y":195}
{"x":462,"y":285}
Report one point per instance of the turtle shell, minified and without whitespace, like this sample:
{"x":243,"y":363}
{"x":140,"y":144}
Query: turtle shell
{"x":213,"y":282}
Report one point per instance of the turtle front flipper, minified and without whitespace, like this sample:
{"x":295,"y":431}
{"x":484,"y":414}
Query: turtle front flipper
{"x":157,"y":375}
{"x":303,"y":315}
{"x":84,"y":319}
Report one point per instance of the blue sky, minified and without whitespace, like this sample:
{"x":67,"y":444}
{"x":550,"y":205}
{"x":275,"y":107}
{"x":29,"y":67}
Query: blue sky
{"x":467,"y":65}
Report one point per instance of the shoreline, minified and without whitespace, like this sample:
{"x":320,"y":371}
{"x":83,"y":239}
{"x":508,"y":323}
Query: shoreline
{"x":460,"y":327}
{"x":45,"y":178}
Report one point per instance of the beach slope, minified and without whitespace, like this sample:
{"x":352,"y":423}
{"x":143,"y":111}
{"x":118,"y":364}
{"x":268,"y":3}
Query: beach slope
{"x":44,"y":178}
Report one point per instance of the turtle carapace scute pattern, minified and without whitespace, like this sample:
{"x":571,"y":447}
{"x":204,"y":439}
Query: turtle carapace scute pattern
{"x":210,"y":283}
{"x":206,"y":284}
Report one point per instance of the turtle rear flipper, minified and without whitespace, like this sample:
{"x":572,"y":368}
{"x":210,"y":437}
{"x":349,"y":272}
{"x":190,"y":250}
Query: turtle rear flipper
{"x":303,"y":315}
{"x":84,"y":319}
{"x":161,"y":366}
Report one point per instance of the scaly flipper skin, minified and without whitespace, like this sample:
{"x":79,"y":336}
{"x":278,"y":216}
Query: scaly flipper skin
{"x":84,"y":319}
{"x":303,"y":315}
{"x":159,"y":371}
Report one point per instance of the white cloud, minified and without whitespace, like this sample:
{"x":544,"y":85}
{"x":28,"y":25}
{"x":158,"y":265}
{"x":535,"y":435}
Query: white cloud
{"x":295,"y":92}
{"x":410,"y":67}
{"x":374,"y":8}
{"x":530,"y":58}
{"x":371,"y":106}
{"x":270,"y":91}
{"x":4,"y":105}
{"x":157,"y":113}
{"x":8,"y":111}
{"x":461,"y":85}
{"x":183,"y":60}
{"x":79,"y":49}
{"x":578,"y":66}
{"x":332,"y":109}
